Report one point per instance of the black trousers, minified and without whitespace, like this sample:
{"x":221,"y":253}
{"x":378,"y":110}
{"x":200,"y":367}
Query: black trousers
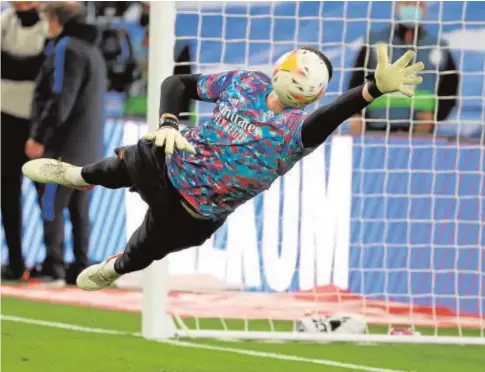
{"x":167,"y":226}
{"x":54,"y":199}
{"x":15,"y":132}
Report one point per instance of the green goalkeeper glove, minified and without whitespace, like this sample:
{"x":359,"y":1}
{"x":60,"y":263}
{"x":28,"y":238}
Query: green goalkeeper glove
{"x":392,"y":78}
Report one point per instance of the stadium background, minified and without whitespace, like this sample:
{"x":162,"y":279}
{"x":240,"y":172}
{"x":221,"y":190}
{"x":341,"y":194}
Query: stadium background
{"x":436,"y":259}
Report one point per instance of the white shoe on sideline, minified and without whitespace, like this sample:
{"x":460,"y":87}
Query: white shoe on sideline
{"x":52,"y":284}
{"x":53,"y":171}
{"x":98,"y":276}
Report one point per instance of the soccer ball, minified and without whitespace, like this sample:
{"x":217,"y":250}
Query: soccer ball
{"x":337,"y":323}
{"x":299,"y":78}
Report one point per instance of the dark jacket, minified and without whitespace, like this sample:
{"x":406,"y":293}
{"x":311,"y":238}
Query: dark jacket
{"x":68,"y":106}
{"x":438,"y":91}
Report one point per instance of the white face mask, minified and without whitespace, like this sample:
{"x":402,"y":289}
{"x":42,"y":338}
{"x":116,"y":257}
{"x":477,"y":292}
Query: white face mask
{"x":410,"y":15}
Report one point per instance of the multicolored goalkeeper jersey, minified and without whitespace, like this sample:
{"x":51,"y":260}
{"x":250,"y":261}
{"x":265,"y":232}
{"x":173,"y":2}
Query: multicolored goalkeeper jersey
{"x":241,"y":150}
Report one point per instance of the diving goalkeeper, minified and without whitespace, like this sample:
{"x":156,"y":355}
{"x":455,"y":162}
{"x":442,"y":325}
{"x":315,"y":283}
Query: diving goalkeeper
{"x":192,"y":180}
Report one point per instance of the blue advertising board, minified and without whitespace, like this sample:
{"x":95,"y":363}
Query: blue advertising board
{"x":392,"y":218}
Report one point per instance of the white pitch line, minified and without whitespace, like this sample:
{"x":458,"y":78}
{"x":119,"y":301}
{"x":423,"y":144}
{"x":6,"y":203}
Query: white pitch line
{"x":71,"y":327}
{"x":254,"y":353}
{"x":292,"y":358}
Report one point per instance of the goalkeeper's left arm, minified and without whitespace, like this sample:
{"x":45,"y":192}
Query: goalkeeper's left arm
{"x":388,"y":78}
{"x":173,"y":92}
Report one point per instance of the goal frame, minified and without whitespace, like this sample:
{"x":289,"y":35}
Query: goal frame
{"x":156,"y":323}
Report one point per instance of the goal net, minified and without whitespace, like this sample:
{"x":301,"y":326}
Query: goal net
{"x":378,"y":236}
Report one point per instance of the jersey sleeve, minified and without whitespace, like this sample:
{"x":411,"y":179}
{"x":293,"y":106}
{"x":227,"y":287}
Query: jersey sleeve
{"x":295,"y":124}
{"x":293,"y":149}
{"x":211,"y":86}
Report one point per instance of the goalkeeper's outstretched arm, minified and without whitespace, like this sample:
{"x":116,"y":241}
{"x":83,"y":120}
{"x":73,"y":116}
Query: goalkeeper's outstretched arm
{"x":322,"y":122}
{"x":388,"y":78}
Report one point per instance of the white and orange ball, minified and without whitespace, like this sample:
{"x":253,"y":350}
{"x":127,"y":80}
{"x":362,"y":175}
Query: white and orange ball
{"x":300,"y":77}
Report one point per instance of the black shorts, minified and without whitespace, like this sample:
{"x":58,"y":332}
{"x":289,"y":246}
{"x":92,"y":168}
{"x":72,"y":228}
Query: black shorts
{"x":168,"y":226}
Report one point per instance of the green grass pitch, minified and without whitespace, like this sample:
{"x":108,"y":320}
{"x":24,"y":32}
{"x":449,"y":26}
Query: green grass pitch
{"x":42,"y":348}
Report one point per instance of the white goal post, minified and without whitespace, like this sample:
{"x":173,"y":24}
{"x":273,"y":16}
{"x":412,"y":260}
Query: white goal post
{"x":155,"y":321}
{"x":390,"y":230}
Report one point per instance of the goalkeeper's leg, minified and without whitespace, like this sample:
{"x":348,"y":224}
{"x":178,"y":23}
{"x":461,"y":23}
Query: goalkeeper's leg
{"x":165,"y":229}
{"x":138,"y":254}
{"x":110,"y":173}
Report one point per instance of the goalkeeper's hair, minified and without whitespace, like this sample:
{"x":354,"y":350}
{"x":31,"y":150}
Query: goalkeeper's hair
{"x":323,"y":57}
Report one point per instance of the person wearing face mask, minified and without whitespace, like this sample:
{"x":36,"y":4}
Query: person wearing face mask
{"x":437,"y":95}
{"x":67,"y":123}
{"x":24,"y":35}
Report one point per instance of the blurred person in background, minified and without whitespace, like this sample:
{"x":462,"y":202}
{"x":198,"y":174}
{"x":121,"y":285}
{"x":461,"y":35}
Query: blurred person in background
{"x":67,"y":123}
{"x":126,"y":10}
{"x":24,"y":35}
{"x":437,"y":94}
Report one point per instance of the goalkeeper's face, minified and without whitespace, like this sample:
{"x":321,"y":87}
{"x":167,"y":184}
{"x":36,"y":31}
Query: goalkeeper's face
{"x":301,"y":77}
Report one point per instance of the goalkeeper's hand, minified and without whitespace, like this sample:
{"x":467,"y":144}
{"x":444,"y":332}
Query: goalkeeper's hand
{"x":392,"y":78}
{"x":169,"y":136}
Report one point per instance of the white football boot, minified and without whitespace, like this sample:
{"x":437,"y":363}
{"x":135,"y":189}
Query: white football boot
{"x":55,"y":171}
{"x":98,"y":276}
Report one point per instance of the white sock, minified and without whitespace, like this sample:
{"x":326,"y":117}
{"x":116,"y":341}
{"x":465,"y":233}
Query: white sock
{"x":73,"y":175}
